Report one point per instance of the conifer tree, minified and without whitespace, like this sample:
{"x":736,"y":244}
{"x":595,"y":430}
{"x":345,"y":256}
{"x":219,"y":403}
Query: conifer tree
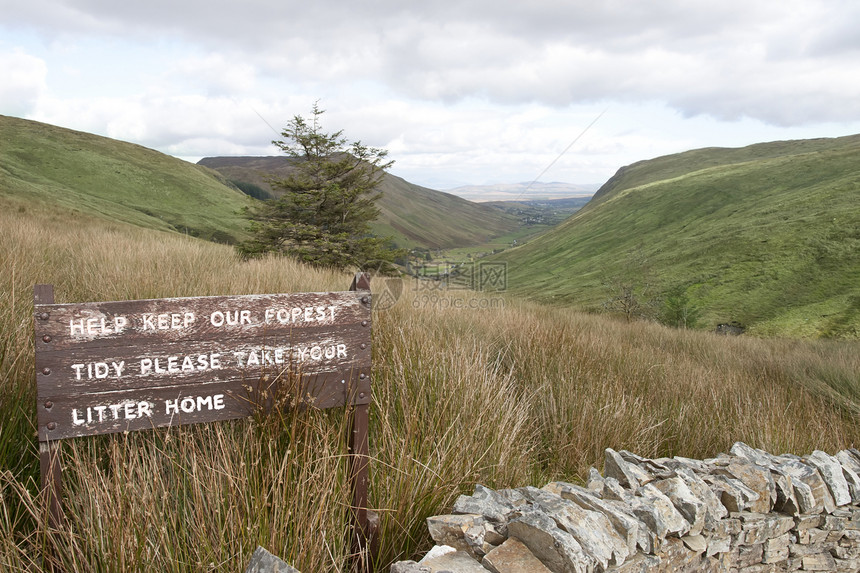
{"x":329,"y":200}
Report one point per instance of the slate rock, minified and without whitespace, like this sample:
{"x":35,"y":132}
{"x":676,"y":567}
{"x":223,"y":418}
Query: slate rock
{"x":556,"y":549}
{"x":626,"y":526}
{"x":810,"y":476}
{"x":591,"y":529}
{"x":513,"y":556}
{"x":833,"y":475}
{"x":688,"y":505}
{"x":264,"y":562}
{"x":627,"y":474}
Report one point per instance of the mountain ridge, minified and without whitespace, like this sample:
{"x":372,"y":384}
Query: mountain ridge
{"x":415,"y":216}
{"x":767,"y":236}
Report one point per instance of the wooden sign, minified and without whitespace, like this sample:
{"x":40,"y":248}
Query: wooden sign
{"x":104,"y":367}
{"x":107,"y":367}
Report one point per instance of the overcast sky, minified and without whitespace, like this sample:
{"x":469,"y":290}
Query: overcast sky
{"x":459,"y":91}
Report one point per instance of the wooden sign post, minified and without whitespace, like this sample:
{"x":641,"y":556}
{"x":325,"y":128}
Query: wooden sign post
{"x":105,"y":367}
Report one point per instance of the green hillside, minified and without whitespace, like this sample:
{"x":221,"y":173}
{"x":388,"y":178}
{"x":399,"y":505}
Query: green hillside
{"x":414,"y":216}
{"x":767,"y":235}
{"x":116,"y":180}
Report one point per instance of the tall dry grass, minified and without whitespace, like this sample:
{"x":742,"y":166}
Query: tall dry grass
{"x":508,"y":396}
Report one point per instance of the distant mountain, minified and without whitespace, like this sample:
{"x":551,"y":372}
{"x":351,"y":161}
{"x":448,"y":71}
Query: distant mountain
{"x":415,"y":216}
{"x":119,"y":181}
{"x":767,"y":236}
{"x":524,"y":191}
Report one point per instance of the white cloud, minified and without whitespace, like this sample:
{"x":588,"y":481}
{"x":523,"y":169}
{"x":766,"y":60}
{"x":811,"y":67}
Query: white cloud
{"x":23,"y":82}
{"x":495,"y":90}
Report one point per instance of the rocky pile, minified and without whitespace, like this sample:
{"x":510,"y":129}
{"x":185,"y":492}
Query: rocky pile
{"x":748,"y":511}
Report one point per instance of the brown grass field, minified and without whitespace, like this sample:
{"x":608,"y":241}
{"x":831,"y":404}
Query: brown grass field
{"x":514,"y":395}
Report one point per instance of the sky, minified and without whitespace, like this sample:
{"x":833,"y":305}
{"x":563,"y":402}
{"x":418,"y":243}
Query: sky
{"x":460,"y":92}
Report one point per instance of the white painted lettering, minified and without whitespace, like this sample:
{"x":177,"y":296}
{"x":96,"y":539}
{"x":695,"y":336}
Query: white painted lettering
{"x":115,"y":409}
{"x":187,"y":364}
{"x":187,"y":404}
{"x":245,"y":317}
{"x":172,"y":366}
{"x":188,"y":319}
{"x":144,"y":409}
{"x":316,"y":353}
{"x":77,"y":368}
{"x":296,"y":313}
{"x":145,"y":366}
{"x":217,"y":318}
{"x":119,"y":323}
{"x":92,"y":325}
{"x":100,"y":410}
{"x":268,"y":315}
{"x":341,"y":350}
{"x":163,"y":322}
{"x":76,"y":326}
{"x":253,"y":359}
{"x":171,"y":406}
{"x":75,"y":420}
{"x":202,"y":362}
{"x":129,"y":411}
{"x":218,"y":401}
{"x":215,"y":361}
{"x":148,"y":322}
{"x":204,"y":401}
{"x":102,"y":370}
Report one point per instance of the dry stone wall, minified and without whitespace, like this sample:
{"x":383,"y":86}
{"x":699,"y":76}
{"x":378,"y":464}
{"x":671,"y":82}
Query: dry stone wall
{"x":747,"y":511}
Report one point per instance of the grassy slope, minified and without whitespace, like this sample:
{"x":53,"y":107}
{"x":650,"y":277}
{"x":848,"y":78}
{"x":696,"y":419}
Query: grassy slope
{"x":507,"y":396}
{"x":767,"y":235}
{"x":116,"y":180}
{"x":414,"y":215}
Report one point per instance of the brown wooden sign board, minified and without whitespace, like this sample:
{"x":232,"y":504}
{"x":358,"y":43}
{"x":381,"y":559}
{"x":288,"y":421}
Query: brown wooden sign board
{"x":106,"y":367}
{"x":121,"y":366}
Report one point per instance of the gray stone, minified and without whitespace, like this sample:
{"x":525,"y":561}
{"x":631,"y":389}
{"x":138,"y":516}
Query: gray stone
{"x":819,"y":562}
{"x":833,"y":475}
{"x":733,"y":493}
{"x":776,"y":549}
{"x":556,"y":549}
{"x":695,"y":543}
{"x":851,"y":471}
{"x":462,"y":532}
{"x":513,"y":557}
{"x":627,"y":474}
{"x":487,"y":503}
{"x":758,"y":528}
{"x":715,"y":510}
{"x":591,"y":529}
{"x":264,"y":562}
{"x":651,"y":469}
{"x":657,"y":511}
{"x":613,"y":490}
{"x":810,"y":476}
{"x":697,"y":466}
{"x":624,"y":523}
{"x":595,"y":480}
{"x":408,"y":567}
{"x":754,"y":477}
{"x":691,"y":507}
{"x":753,"y":455}
{"x":453,"y":562}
